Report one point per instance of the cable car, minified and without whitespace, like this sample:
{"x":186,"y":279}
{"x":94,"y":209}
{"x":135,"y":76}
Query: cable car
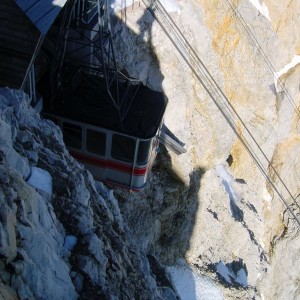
{"x":110,"y":122}
{"x":117,"y":153}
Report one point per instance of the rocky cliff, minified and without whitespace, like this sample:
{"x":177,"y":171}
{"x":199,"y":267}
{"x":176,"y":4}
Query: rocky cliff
{"x":211,"y":206}
{"x":62,"y":235}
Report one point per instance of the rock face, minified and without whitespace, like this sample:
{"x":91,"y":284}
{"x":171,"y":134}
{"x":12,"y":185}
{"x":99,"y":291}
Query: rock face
{"x":212,"y":205}
{"x":68,"y":244}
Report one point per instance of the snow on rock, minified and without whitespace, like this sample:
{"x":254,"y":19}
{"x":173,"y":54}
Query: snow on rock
{"x":231,"y":276}
{"x":70,"y":242}
{"x":294,"y":62}
{"x":169,"y":5}
{"x":226,"y":180}
{"x":41,"y":180}
{"x":261,"y":7}
{"x":191,"y":285}
{"x":236,"y":212}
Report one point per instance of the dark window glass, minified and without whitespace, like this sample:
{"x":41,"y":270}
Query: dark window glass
{"x":143,"y":154}
{"x":95,"y":142}
{"x":72,"y":135}
{"x":123,"y":148}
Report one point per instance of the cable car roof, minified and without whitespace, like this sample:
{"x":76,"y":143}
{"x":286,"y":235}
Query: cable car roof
{"x":93,"y":105}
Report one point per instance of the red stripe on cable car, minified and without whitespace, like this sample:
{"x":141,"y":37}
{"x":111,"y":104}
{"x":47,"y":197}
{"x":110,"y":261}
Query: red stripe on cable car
{"x":108,"y":164}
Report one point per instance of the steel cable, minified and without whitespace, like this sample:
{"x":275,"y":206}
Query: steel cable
{"x":216,"y":94}
{"x":264,"y":56}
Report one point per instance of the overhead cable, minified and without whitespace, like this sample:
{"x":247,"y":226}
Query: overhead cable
{"x":221,"y":101}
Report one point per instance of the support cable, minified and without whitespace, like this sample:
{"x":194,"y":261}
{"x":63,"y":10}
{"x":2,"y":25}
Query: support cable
{"x":249,"y":34}
{"x":217,"y":95}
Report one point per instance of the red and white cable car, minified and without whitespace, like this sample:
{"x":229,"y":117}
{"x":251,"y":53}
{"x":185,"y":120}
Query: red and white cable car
{"x":110,"y":122}
{"x":120,"y":154}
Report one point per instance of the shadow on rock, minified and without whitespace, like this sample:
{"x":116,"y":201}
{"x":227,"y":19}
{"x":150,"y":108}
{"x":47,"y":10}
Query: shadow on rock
{"x":164,"y":213}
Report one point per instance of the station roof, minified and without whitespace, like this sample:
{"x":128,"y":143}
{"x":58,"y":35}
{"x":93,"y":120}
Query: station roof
{"x":18,"y":39}
{"x":22,"y":22}
{"x":41,"y":13}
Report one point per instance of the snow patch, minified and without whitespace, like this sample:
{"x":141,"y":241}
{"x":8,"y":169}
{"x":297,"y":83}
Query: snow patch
{"x":236,"y":212}
{"x":223,"y":271}
{"x":169,"y":5}
{"x":241,"y":277}
{"x":294,"y":62}
{"x":231,"y":277}
{"x":191,"y":285}
{"x":41,"y":180}
{"x":70,"y":242}
{"x":226,"y":180}
{"x":262,"y":8}
{"x":266,"y":195}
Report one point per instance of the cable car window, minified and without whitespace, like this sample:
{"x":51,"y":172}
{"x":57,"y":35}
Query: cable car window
{"x":123,"y":148}
{"x":143,"y":154}
{"x":95,"y":142}
{"x":72,"y":135}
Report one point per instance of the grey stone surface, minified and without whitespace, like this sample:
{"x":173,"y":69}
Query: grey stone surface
{"x":104,"y":263}
{"x":188,"y":209}
{"x":199,"y":219}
